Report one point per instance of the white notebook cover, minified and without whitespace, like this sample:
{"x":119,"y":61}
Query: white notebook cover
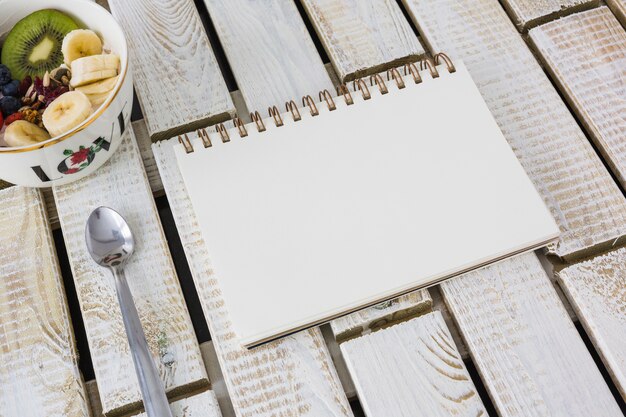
{"x":333,"y":213}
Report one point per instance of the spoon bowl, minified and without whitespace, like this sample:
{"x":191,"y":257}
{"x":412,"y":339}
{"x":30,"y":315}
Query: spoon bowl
{"x":110,"y":243}
{"x":109,"y":239}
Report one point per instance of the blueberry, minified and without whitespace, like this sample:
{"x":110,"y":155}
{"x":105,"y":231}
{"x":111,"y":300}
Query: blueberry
{"x":5,"y":75}
{"x":11,"y":89}
{"x":9,"y":105}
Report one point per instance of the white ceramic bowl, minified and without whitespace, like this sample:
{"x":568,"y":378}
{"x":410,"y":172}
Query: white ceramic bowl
{"x":84,"y":149}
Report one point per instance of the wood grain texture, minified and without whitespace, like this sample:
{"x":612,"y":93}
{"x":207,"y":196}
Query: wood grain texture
{"x":597,"y":290}
{"x":200,"y":405}
{"x":293,"y":376}
{"x":268,"y":38}
{"x":586,"y":55}
{"x":529,"y":13}
{"x":122,"y":184}
{"x":527,"y":350}
{"x":176,"y":76}
{"x":583,"y":198}
{"x":145,"y":150}
{"x":412,"y":369}
{"x":39,"y":375}
{"x":384,"y":314}
{"x":363,"y":37}
{"x":619,"y":10}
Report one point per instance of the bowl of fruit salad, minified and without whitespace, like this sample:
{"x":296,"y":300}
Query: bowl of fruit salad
{"x":65,"y":90}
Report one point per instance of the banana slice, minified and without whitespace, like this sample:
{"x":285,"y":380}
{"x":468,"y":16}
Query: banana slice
{"x":93,"y":68}
{"x":97,"y":99}
{"x":99,"y":87}
{"x":66,"y":112}
{"x":80,"y":43}
{"x":21,"y":133}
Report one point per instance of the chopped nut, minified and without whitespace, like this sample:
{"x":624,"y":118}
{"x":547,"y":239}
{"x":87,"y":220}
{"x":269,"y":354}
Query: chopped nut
{"x":46,"y":79}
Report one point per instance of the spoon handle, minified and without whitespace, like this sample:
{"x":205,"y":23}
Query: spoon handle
{"x":152,"y":390}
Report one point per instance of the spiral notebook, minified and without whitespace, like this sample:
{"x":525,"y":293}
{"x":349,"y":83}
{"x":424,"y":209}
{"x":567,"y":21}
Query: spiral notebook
{"x":344,"y":201}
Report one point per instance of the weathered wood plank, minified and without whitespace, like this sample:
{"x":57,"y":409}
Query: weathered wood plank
{"x":619,"y":9}
{"x":597,"y":290}
{"x":178,"y":81}
{"x":363,"y":37}
{"x":412,"y":366}
{"x":268,"y":38}
{"x":291,"y":376}
{"x":527,"y":350}
{"x":384,"y":314}
{"x":122,"y":184}
{"x":582,"y":196}
{"x":200,"y":405}
{"x":529,"y":13}
{"x":586,"y":55}
{"x":39,"y":373}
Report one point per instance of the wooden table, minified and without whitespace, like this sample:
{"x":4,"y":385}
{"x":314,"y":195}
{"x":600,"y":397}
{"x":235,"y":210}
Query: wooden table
{"x":537,"y":335}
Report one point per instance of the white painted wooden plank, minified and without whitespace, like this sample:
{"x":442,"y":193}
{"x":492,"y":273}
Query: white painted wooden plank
{"x":412,"y":369}
{"x":39,"y":373}
{"x":527,"y":350}
{"x":177,"y":79}
{"x":597,"y":290}
{"x":384,"y":314}
{"x":586,"y":56}
{"x":145,"y":149}
{"x":582,"y":196}
{"x":292,"y":375}
{"x":619,"y":10}
{"x":363,"y":37}
{"x":268,"y":38}
{"x":200,"y":405}
{"x":122,"y":184}
{"x":528,"y":13}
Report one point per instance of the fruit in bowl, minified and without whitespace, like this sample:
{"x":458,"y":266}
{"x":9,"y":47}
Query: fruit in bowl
{"x":53,"y":76}
{"x":65,"y":90}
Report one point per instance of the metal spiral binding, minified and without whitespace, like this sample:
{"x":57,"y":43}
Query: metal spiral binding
{"x":358,"y":85}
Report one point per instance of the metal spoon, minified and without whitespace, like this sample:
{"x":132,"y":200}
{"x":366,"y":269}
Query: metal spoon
{"x":110,"y":243}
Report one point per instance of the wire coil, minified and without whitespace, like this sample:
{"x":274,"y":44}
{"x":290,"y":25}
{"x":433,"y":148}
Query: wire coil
{"x":358,"y":86}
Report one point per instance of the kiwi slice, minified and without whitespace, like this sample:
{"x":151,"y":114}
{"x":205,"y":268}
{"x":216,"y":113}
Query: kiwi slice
{"x":33,"y":46}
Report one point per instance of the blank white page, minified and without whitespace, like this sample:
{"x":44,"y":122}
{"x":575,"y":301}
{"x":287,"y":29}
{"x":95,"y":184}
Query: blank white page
{"x":323,"y":216}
